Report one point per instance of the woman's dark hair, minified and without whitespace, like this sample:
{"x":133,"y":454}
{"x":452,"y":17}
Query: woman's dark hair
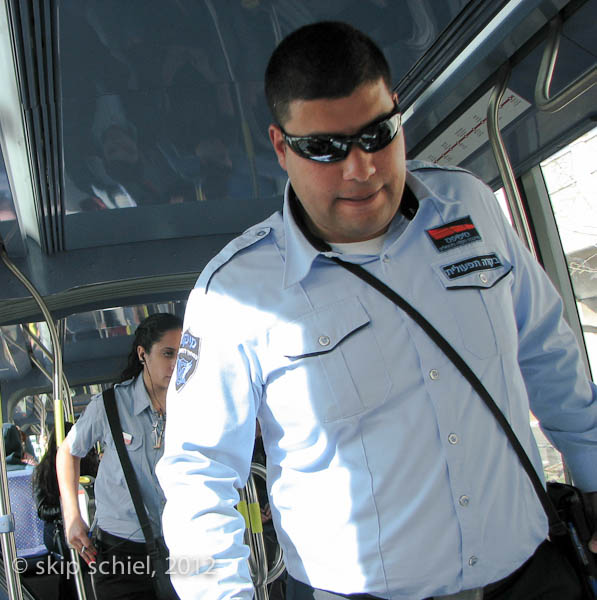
{"x":322,"y":60}
{"x":147,"y":334}
{"x":45,"y":482}
{"x":13,"y":447}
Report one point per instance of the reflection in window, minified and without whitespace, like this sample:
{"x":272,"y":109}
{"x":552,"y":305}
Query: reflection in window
{"x":7,"y":212}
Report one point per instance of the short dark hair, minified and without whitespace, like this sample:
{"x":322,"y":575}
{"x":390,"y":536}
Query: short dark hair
{"x":323,"y":60}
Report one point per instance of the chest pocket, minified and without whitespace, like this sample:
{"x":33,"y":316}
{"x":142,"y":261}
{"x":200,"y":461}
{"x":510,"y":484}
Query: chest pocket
{"x":134,"y":449}
{"x":333,"y":354}
{"x":111,"y":484}
{"x":479,"y":297}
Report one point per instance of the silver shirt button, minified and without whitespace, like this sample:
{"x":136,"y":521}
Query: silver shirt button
{"x":472,"y":561}
{"x":463,"y":500}
{"x":434,"y":374}
{"x":386,"y":258}
{"x":453,"y":438}
{"x":261,"y":233}
{"x":324,"y":340}
{"x":483,"y":278}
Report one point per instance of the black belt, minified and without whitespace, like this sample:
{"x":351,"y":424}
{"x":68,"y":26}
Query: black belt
{"x":118,"y":544}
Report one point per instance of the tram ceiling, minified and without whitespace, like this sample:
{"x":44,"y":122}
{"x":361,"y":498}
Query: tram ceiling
{"x":147,"y":133}
{"x":149,"y":150}
{"x":534,"y":134}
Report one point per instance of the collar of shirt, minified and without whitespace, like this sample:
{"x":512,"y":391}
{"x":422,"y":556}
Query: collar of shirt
{"x":141,"y":399}
{"x":303,"y":247}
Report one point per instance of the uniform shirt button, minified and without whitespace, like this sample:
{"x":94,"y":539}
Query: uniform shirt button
{"x":472,"y":561}
{"x":453,"y":438}
{"x":386,"y":258}
{"x":324,"y":340}
{"x":434,"y":374}
{"x":463,"y":500}
{"x":483,"y":278}
{"x":261,"y":233}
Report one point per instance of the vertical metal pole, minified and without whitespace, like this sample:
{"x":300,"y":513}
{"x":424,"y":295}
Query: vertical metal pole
{"x":57,"y":387}
{"x":9,"y":548}
{"x":513,"y":197}
{"x":67,"y":400}
{"x":254,"y":539}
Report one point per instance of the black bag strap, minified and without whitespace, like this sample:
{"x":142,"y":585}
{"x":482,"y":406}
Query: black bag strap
{"x":556,"y":525}
{"x":129,"y":473}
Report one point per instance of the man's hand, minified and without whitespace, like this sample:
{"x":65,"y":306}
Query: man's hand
{"x":592,"y":499}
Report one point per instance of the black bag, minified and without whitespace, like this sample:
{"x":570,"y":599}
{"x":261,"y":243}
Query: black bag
{"x":571,"y":523}
{"x":156,"y":546}
{"x":577,"y":515}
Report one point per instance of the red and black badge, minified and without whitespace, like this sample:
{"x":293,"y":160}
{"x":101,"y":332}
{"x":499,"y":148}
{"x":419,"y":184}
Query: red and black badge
{"x":454,"y":234}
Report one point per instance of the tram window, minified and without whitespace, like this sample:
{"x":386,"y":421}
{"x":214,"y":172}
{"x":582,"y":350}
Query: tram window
{"x":501,"y":198}
{"x":551,"y":459}
{"x":570,"y":176}
{"x":571,"y":179}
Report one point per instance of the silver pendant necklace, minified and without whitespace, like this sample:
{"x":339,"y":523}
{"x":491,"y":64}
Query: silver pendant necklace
{"x":158,"y":426}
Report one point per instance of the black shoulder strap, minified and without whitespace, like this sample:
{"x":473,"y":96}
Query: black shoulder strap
{"x":129,"y":473}
{"x":556,"y":526}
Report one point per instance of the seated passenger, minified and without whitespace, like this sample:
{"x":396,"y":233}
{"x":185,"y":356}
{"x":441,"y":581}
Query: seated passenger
{"x":16,"y":457}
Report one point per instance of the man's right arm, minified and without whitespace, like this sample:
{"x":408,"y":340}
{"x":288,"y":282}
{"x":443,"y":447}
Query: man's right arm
{"x":209,"y":441}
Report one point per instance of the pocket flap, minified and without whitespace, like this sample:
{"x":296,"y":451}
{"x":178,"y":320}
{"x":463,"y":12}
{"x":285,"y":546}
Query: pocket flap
{"x":319,"y":331}
{"x":480,"y":271}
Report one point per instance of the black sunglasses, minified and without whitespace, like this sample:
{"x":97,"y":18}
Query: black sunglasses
{"x":332,"y":148}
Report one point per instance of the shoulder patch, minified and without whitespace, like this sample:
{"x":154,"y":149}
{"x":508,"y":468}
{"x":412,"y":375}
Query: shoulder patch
{"x":454,"y":234}
{"x":188,"y":358}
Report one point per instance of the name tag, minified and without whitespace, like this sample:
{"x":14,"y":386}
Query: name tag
{"x":486,"y":262}
{"x":454,"y":234}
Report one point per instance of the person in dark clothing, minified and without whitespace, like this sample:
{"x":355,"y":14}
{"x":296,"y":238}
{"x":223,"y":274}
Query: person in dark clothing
{"x":47,"y":496}
{"x":16,"y":456}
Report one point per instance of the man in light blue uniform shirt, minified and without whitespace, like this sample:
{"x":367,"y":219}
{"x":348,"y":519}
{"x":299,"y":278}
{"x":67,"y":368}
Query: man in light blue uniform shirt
{"x":387,"y":475}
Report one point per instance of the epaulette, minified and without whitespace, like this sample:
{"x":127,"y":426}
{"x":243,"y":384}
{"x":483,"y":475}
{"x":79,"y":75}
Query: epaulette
{"x":251,"y":236}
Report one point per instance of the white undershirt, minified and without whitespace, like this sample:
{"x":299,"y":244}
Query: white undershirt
{"x":372,"y":246}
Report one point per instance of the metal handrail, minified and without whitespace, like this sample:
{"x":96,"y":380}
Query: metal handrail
{"x":58,"y":408}
{"x":69,"y":408}
{"x":278,"y":563}
{"x":261,"y":575}
{"x":544,"y":78}
{"x":7,"y":539}
{"x":254,"y":539}
{"x":521,"y":224}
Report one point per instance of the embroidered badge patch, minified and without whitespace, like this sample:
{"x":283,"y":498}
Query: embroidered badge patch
{"x":188,"y":357}
{"x":472,"y":264}
{"x":454,"y":234}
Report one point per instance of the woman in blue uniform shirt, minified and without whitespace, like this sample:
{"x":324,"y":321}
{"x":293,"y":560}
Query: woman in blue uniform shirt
{"x":118,"y":540}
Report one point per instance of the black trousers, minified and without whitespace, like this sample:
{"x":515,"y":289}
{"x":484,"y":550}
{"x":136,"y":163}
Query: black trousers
{"x":547,"y":575}
{"x":122,"y":570}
